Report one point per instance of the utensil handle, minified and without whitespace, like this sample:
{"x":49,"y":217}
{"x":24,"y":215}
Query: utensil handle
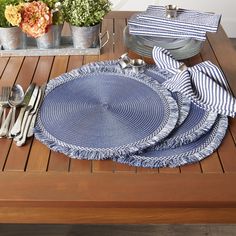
{"x":20,"y":135}
{"x":25,"y":131}
{"x":1,"y":111}
{"x":4,"y":116}
{"x":17,"y":126}
{"x":5,"y":125}
{"x":32,"y":124}
{"x":12,"y":122}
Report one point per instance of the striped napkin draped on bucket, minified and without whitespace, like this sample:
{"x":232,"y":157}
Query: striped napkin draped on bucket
{"x":204,"y":84}
{"x":187,"y":24}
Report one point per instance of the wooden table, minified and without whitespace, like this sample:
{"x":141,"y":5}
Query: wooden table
{"x":41,"y":186}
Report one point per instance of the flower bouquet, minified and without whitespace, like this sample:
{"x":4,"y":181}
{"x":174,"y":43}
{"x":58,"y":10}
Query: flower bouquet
{"x":36,"y":19}
{"x":33,"y":18}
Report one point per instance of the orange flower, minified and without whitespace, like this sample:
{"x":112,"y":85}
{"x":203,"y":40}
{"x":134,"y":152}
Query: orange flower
{"x":36,"y":17}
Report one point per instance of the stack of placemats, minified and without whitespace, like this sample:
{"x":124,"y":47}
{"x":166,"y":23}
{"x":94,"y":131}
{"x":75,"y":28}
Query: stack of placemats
{"x":101,"y":111}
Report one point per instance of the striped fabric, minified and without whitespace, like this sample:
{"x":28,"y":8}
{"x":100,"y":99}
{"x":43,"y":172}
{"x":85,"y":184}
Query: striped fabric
{"x":187,"y":24}
{"x":203,"y":83}
{"x":187,"y":18}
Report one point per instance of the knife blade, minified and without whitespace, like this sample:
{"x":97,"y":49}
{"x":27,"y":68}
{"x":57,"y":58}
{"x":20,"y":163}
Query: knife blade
{"x":27,"y":112}
{"x":32,"y":124}
{"x":17,"y":126}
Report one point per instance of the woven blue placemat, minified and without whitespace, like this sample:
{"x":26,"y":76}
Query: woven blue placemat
{"x":101,"y":112}
{"x":192,"y":121}
{"x":185,"y":154}
{"x":160,"y":76}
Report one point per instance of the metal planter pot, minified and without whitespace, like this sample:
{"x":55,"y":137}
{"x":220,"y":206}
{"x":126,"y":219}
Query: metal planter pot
{"x":85,"y":37}
{"x":12,"y":38}
{"x":51,"y":39}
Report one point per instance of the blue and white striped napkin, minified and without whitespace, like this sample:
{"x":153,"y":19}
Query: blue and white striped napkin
{"x":187,"y":24}
{"x":204,"y":84}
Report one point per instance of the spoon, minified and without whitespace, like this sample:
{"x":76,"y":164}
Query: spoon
{"x":15,"y":99}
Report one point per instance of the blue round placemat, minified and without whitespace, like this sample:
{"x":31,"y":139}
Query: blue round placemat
{"x":97,"y":113}
{"x":160,"y":76}
{"x":193,"y":121}
{"x":185,"y":154}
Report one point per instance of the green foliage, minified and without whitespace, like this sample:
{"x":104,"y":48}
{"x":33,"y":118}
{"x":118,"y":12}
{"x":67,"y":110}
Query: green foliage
{"x":3,"y":4}
{"x":55,"y":6}
{"x":85,"y":12}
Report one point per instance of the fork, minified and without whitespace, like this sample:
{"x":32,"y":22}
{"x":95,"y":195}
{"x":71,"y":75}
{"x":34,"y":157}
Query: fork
{"x":4,"y":102}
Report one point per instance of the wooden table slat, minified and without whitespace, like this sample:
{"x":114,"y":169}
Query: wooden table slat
{"x":103,"y":166}
{"x":225,"y":54}
{"x":119,"y":47}
{"x":58,"y":162}
{"x":81,"y":166}
{"x":227,"y":153}
{"x":3,"y":63}
{"x":192,"y":168}
{"x":11,"y":71}
{"x":38,"y":157}
{"x":107,"y":51}
{"x":212,"y":164}
{"x":232,"y":127}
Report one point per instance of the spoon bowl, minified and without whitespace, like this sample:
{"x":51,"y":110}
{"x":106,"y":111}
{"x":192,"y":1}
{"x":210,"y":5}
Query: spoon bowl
{"x":17,"y":96}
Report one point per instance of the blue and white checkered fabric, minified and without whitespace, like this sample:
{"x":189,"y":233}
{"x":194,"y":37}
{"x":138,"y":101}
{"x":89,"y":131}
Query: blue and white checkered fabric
{"x":187,"y":24}
{"x":203,"y":83}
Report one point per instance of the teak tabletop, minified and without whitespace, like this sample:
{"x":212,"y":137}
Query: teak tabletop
{"x":41,"y":186}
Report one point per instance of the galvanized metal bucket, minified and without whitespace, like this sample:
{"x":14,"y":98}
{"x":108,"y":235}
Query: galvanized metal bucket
{"x":85,"y":37}
{"x":12,"y":38}
{"x":51,"y":39}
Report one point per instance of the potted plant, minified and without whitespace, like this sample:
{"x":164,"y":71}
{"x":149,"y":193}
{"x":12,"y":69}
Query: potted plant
{"x":11,"y":37}
{"x":84,"y":17}
{"x":35,"y":19}
{"x":54,"y":30}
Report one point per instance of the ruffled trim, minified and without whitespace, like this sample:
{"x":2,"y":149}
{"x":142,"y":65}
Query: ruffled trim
{"x":189,"y":136}
{"x":214,"y":140}
{"x":183,"y":103}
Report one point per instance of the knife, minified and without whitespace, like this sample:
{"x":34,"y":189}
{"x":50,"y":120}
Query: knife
{"x":17,"y":126}
{"x":23,"y":136}
{"x":27,"y":112}
{"x":32,"y":124}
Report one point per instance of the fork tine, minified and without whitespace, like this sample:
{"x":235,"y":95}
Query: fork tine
{"x":5,"y":93}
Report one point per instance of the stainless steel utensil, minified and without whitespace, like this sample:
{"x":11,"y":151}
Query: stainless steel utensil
{"x":4,"y":102}
{"x":15,"y":98}
{"x":23,"y":136}
{"x":17,"y":126}
{"x":29,"y":108}
{"x":32,"y":124}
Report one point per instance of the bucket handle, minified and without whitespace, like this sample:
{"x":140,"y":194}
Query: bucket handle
{"x":104,"y":39}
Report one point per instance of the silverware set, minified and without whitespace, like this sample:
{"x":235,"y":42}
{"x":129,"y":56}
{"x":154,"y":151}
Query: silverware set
{"x":29,"y":103}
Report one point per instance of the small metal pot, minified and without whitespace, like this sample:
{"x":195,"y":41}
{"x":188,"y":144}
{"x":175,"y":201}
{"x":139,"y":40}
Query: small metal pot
{"x":12,"y":38}
{"x":85,"y":37}
{"x":51,"y":39}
